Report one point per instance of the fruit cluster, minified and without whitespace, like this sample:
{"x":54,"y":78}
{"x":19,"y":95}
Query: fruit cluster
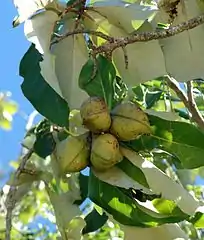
{"x":100,"y":147}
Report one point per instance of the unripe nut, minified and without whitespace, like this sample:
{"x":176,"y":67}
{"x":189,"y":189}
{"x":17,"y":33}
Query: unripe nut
{"x":95,"y":115}
{"x":129,"y":122}
{"x":105,"y":152}
{"x":73,"y":154}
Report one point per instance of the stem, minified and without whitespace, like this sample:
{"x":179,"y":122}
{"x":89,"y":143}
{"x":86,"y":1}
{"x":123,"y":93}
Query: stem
{"x":154,"y":35}
{"x":198,"y":118}
{"x":10,"y":200}
{"x":81,"y":31}
{"x":188,"y":100}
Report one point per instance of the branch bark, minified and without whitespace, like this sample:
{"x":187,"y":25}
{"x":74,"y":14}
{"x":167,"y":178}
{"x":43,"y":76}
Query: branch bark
{"x":117,"y":42}
{"x":82,"y":31}
{"x":10,"y":200}
{"x":154,"y":35}
{"x":188,"y":100}
{"x":193,"y":106}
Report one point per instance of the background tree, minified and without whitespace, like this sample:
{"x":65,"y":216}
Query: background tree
{"x":141,"y":65}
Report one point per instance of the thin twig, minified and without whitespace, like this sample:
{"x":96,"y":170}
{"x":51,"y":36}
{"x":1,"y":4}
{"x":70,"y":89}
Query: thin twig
{"x":187,"y":100}
{"x":70,"y":8}
{"x":193,"y":106}
{"x":81,"y":31}
{"x":173,"y":84}
{"x":125,"y":57}
{"x":10,"y":200}
{"x":154,"y":35}
{"x":80,"y":13}
{"x":117,"y":42}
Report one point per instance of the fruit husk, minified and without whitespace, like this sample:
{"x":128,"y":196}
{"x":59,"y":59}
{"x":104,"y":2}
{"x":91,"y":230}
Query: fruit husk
{"x":129,"y":122}
{"x":105,"y":152}
{"x":73,"y":153}
{"x":95,"y":115}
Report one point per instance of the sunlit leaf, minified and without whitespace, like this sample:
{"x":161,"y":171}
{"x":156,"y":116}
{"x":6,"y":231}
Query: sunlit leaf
{"x":198,"y":219}
{"x":152,"y":97}
{"x":7,"y":109}
{"x":159,"y":182}
{"x":28,"y":8}
{"x":176,"y":138}
{"x":67,"y":213}
{"x":68,"y":64}
{"x":140,"y":55}
{"x":9,"y":106}
{"x":133,"y":172}
{"x":5,"y":124}
{"x":183,"y":53}
{"x":2,"y":223}
{"x":170,"y":116}
{"x":132,"y":16}
{"x":166,"y":231}
{"x":124,"y":209}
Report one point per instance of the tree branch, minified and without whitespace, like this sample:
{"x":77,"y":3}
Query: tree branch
{"x":82,"y":31}
{"x":193,"y":106}
{"x":117,"y":42}
{"x":188,"y":100}
{"x":10,"y":200}
{"x":154,"y":35}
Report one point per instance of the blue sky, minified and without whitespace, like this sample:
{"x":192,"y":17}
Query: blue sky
{"x":13,"y":45}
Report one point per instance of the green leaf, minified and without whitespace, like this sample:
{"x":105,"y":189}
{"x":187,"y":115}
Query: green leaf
{"x":198,"y":220}
{"x":185,"y":48}
{"x":2,"y":223}
{"x":124,"y":209}
{"x":144,"y":143}
{"x":165,"y":206}
{"x":26,"y":216}
{"x":38,"y":91}
{"x":94,"y":221}
{"x":140,"y":57}
{"x":68,"y":64}
{"x":120,"y":91}
{"x":152,"y":97}
{"x":139,"y":194}
{"x":132,"y":171}
{"x":9,"y":106}
{"x":5,"y":124}
{"x":102,"y":85}
{"x":132,"y":16}
{"x":139,"y":92}
{"x":83,"y":183}
{"x":7,"y":109}
{"x":182,"y":113}
{"x":162,"y":184}
{"x":66,"y":213}
{"x":44,"y":144}
{"x":181,"y":139}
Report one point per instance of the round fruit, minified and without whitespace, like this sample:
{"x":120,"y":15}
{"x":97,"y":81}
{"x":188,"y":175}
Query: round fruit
{"x":73,"y":154}
{"x":95,"y":115}
{"x":129,"y":121}
{"x":105,"y":152}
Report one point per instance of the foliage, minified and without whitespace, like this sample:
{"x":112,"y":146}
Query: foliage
{"x":7,"y":109}
{"x":75,"y":52}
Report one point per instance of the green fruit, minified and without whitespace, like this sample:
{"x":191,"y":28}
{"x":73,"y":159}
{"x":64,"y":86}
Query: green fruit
{"x":105,"y":152}
{"x":73,"y":154}
{"x":95,"y":115}
{"x":129,"y":122}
